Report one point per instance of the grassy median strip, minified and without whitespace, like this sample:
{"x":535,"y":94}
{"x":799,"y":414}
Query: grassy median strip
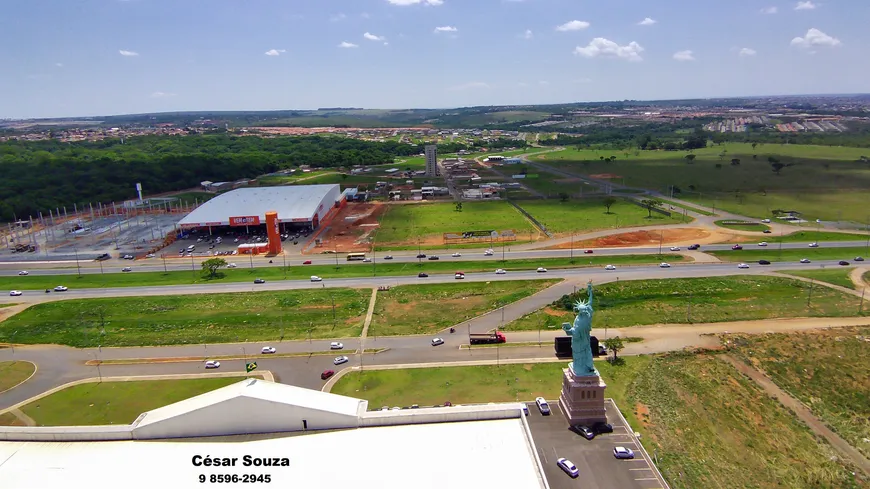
{"x":13,"y":373}
{"x":836,"y":276}
{"x":697,"y":300}
{"x":344,"y":269}
{"x":141,"y":361}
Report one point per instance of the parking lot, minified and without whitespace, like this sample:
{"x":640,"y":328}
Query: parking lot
{"x":599,"y":469}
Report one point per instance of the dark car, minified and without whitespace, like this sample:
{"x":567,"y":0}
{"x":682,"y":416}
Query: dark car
{"x":422,"y":275}
{"x":767,"y":231}
{"x":421,"y":255}
{"x":736,"y":247}
{"x":589,"y":252}
{"x":694,"y":247}
{"x":327,"y":374}
{"x":603,"y":428}
{"x":525,"y":410}
{"x":843,"y":262}
{"x":433,"y":258}
{"x":259,"y":281}
{"x":763,"y":262}
{"x":858,"y":258}
{"x":585,"y":432}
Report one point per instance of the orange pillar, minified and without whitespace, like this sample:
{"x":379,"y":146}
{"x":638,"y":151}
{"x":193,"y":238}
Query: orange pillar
{"x":274,"y":234}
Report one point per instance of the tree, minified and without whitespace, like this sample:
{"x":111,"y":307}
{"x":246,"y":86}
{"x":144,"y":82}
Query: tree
{"x":344,"y":176}
{"x":777,"y":167}
{"x":614,"y":344}
{"x":458,"y":207}
{"x":651,"y":204}
{"x":563,"y":197}
{"x":690,"y":158}
{"x":754,"y":145}
{"x":608,"y":202}
{"x":212,"y":265}
{"x":735,"y":161}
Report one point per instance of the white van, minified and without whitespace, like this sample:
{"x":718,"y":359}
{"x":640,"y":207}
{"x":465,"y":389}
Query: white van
{"x":191,"y":248}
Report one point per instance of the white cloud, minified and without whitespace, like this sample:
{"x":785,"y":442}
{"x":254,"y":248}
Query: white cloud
{"x":275,"y":52}
{"x":59,"y":65}
{"x":748,"y":52}
{"x":446,"y":28}
{"x":162,"y":95}
{"x":574,"y":25}
{"x":470,"y":85}
{"x":813,"y":38}
{"x":345,"y":44}
{"x":337,"y":17}
{"x":684,"y":56}
{"x":127,"y":53}
{"x":372,"y":37}
{"x":647,"y":21}
{"x":405,"y":3}
{"x":528,"y":34}
{"x":769,"y":10}
{"x":608,"y":49}
{"x":805,"y":6}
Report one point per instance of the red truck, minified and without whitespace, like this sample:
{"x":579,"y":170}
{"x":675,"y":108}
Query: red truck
{"x":484,"y":338}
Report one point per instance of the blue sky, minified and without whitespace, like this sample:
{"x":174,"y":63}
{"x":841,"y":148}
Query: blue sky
{"x":99,"y":57}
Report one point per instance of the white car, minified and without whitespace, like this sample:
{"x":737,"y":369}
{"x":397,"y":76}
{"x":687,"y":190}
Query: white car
{"x":541,"y":270}
{"x":23,"y":272}
{"x":568,"y":467}
{"x":500,"y":271}
{"x":488,"y":253}
{"x":664,"y":265}
{"x":315,"y":278}
{"x":126,"y":269}
{"x":340,"y":360}
{"x":61,"y":288}
{"x":459,"y":275}
{"x":456,"y":255}
{"x":388,"y":257}
{"x":15,"y":293}
{"x":814,"y":245}
{"x":335,"y":345}
{"x":766,"y":221}
{"x":212,"y":364}
{"x":622,"y":452}
{"x":543,"y":406}
{"x":805,"y":260}
{"x":675,"y":248}
{"x":149,"y":255}
{"x":267,"y":349}
{"x":367,"y":260}
{"x":743,"y":265}
{"x":610,"y":267}
{"x":232,"y":265}
{"x":437,"y":341}
{"x":763,"y":243}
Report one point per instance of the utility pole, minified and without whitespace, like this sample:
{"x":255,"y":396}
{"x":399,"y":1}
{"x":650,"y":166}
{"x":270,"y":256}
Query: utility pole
{"x":76,"y":251}
{"x":572,"y":248}
{"x":861,"y":305}
{"x":810,"y":294}
{"x":689,"y":308}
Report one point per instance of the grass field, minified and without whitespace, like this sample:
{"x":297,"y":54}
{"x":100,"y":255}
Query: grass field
{"x":116,"y":403}
{"x":819,"y":236}
{"x":827,"y":370}
{"x":682,"y":206}
{"x":698,"y":300}
{"x":704,"y":419}
{"x":824,"y":182}
{"x":757,"y":227}
{"x":345,"y":269}
{"x":771,"y":253}
{"x":14,"y":373}
{"x":193,"y":319}
{"x":590,"y":215}
{"x":403,"y":224}
{"x":426,"y":309}
{"x":193,"y":197}
{"x":836,"y":276}
{"x":712,"y":427}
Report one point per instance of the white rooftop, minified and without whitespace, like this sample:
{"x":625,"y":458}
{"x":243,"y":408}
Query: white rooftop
{"x":290,"y":202}
{"x":456,"y":455}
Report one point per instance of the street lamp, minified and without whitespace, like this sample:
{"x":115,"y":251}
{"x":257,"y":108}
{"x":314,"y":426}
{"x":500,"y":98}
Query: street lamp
{"x":76,"y":251}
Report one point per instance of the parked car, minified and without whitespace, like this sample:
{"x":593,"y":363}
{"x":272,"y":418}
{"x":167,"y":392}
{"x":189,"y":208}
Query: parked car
{"x":23,"y":272}
{"x":805,"y":260}
{"x":267,"y":349}
{"x":437,"y":341}
{"x":602,"y":427}
{"x":675,"y":248}
{"x":456,"y":255}
{"x":694,"y":247}
{"x":541,"y":270}
{"x":340,"y":360}
{"x":61,"y":288}
{"x":610,"y":267}
{"x":327,"y":374}
{"x":259,"y":281}
{"x":500,"y":271}
{"x":542,"y":406}
{"x":525,"y":410}
{"x":814,"y":245}
{"x":763,"y":243}
{"x":126,"y":269}
{"x":212,"y":364}
{"x":743,"y":265}
{"x":335,"y":345}
{"x":844,"y":263}
{"x":736,"y":247}
{"x":664,"y":265}
{"x":622,"y":452}
{"x":568,"y":467}
{"x":15,"y":293}
{"x":585,"y":432}
{"x":315,"y":278}
{"x":388,"y":257}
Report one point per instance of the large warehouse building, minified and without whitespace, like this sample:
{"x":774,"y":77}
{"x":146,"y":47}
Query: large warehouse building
{"x":298,"y":206}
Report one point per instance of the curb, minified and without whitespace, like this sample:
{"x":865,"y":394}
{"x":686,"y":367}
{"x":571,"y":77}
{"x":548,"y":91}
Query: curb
{"x":35,"y":369}
{"x":266,"y":374}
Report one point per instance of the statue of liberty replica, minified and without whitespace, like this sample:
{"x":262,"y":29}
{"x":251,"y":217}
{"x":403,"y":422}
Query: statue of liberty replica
{"x":582,"y":398}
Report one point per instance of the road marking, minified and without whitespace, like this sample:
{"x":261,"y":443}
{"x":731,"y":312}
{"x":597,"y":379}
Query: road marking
{"x":642,"y":468}
{"x":648,"y":479}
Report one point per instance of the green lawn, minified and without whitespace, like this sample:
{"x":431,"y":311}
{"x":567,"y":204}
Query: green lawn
{"x":772,"y":253}
{"x":590,"y":215}
{"x":14,"y":373}
{"x":757,"y":227}
{"x":193,"y":319}
{"x":819,"y":236}
{"x":682,"y":206}
{"x":345,"y":269}
{"x":697,"y":300}
{"x":403,"y":224}
{"x":837,"y":276}
{"x":115,"y":402}
{"x":710,"y":426}
{"x":827,"y":204}
{"x":825,"y":369}
{"x":427,"y":309}
{"x":193,"y":197}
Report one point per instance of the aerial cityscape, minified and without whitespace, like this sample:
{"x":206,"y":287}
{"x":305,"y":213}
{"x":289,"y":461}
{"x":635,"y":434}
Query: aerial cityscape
{"x":385,"y":243}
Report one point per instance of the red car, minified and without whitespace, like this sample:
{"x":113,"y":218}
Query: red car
{"x":588,"y":252}
{"x":307,"y":262}
{"x":736,"y":247}
{"x":327,"y":374}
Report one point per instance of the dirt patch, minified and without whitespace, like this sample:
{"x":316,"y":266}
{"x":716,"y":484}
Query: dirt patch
{"x":605,"y":176}
{"x":642,"y":413}
{"x":679,"y":236}
{"x":351,"y":229}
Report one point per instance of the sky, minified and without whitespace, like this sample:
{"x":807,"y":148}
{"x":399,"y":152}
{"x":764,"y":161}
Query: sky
{"x":63,"y":58}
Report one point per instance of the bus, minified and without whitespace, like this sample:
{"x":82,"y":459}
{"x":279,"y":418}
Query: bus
{"x":356,"y":256}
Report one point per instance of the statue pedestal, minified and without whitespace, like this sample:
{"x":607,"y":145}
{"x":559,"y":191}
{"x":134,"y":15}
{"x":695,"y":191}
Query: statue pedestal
{"x":582,"y":398}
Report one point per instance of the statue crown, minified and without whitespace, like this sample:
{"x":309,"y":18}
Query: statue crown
{"x":580,"y":305}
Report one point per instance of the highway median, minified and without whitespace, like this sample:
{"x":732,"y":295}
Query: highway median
{"x":143,"y":361}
